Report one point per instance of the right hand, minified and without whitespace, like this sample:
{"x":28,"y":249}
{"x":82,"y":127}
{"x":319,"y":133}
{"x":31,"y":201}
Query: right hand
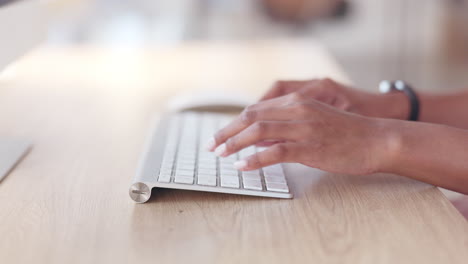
{"x":306,"y":131}
{"x":392,"y":105}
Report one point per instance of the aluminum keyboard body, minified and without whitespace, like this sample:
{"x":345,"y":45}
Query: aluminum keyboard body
{"x":176,"y":158}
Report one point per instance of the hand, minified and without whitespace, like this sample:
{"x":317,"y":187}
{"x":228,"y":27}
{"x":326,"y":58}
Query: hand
{"x":392,"y":105}
{"x":305,"y":131}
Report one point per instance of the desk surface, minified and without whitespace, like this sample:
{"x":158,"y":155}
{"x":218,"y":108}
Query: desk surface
{"x":88,"y":110}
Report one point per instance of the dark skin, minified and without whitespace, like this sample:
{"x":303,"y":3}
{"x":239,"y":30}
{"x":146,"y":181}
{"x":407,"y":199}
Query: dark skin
{"x":327,"y":125}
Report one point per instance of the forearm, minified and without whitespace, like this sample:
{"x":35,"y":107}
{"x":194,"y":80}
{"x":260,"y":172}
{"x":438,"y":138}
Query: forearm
{"x":435,"y":154}
{"x":450,"y":110}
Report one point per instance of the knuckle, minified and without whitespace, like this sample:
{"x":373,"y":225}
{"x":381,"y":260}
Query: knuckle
{"x":297,"y":96}
{"x":231,"y":143}
{"x":278,"y":84}
{"x":329,"y":84}
{"x":346,"y":105}
{"x":309,"y":129}
{"x":260,"y":128}
{"x":248,"y":116}
{"x":249,"y":107}
{"x":302,"y":110}
{"x":280,"y":150}
{"x":327,"y":81}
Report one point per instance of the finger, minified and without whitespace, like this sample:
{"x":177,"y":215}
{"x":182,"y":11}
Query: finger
{"x":279,"y":153}
{"x":268,"y":143}
{"x":281,"y":88}
{"x":247,"y":118}
{"x":342,"y":103}
{"x":258,"y":132}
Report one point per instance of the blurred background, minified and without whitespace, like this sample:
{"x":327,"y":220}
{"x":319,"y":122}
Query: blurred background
{"x":422,"y":41}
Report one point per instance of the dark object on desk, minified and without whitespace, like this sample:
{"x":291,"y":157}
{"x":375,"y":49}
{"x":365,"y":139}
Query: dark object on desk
{"x":299,"y":11}
{"x":5,"y":2}
{"x":11,"y":153}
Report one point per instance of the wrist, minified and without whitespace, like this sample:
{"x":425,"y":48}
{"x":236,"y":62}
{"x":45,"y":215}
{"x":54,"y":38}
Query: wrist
{"x":387,"y":144}
{"x":393,"y":105}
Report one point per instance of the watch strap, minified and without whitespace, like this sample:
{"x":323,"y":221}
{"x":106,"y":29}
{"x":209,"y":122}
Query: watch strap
{"x":401,"y":86}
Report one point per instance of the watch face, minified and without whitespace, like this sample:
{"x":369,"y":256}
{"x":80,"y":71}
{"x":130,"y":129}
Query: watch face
{"x":400,"y":85}
{"x":385,"y":86}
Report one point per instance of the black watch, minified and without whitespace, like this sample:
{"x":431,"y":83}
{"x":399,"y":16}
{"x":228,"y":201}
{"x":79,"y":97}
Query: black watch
{"x":401,"y":86}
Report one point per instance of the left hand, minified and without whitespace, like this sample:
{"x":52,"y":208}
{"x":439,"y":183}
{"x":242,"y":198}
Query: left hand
{"x":304,"y":131}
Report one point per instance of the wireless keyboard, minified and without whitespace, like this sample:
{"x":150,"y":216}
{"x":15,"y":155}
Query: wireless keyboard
{"x":176,"y":158}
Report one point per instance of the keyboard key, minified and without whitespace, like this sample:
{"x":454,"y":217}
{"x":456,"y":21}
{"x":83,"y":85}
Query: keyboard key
{"x":252,"y":184}
{"x":185,"y":180}
{"x":228,"y":166}
{"x":228,"y":169}
{"x":229,"y":173}
{"x":208,"y":181}
{"x":206,"y":161}
{"x":273,"y":170}
{"x":186,"y":159}
{"x":226,"y":162}
{"x":166,"y":166}
{"x":229,"y":159}
{"x":206,"y":157}
{"x":207,"y":166}
{"x":207,"y":172}
{"x":184,"y":173}
{"x":183,"y":166}
{"x":168,"y":159}
{"x":170,"y":150}
{"x":164,"y":177}
{"x":206,"y":154}
{"x":277,"y":187}
{"x":230,"y":182}
{"x":251,"y":176}
{"x":224,"y":121}
{"x":251,"y":172}
{"x":275,"y":180}
{"x":165,"y":171}
{"x":207,"y":175}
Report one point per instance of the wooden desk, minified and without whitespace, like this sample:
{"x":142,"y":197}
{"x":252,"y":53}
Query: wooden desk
{"x":88,"y":109}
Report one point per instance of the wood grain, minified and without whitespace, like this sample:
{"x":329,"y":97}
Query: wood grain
{"x":87,"y":111}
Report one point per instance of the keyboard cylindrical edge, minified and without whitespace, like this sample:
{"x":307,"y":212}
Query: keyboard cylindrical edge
{"x":139,"y":192}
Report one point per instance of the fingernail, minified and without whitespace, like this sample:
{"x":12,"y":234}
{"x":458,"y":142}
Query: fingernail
{"x":240,"y":165}
{"x":220,"y":150}
{"x":210,"y":144}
